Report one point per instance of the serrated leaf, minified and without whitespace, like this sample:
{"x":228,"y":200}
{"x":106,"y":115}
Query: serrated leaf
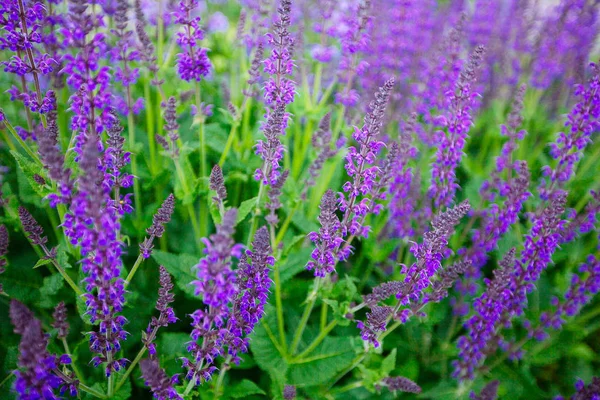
{"x":331,"y":357}
{"x":244,"y":209}
{"x":50,"y":287}
{"x":180,"y":268}
{"x":41,"y":262}
{"x":389,"y":363}
{"x":30,"y":169}
{"x":243,"y":389}
{"x":265,"y":350}
{"x":294,"y":264}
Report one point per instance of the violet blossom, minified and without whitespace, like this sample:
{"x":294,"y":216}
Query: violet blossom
{"x":192,"y":63}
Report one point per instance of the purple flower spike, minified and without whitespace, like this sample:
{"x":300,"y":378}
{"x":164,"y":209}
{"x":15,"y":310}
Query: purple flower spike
{"x":401,"y":384}
{"x":451,"y":143}
{"x":157,"y":380}
{"x":251,"y":297}
{"x":60,"y":320}
{"x":328,"y":240}
{"x":216,"y":285}
{"x":36,"y":376}
{"x":166,"y":316}
{"x":489,"y":392}
{"x":156,"y":230}
{"x":193,"y":63}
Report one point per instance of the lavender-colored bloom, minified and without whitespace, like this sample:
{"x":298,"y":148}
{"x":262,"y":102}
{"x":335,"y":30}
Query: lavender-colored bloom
{"x":166,"y":316}
{"x":589,"y":392}
{"x":321,"y":141}
{"x":273,"y":197}
{"x":157,"y":229}
{"x":582,"y":121}
{"x":328,"y":240}
{"x":21,"y":25}
{"x":122,"y":55}
{"x":354,"y":39}
{"x":411,"y":291}
{"x":114,"y":160}
{"x":160,"y":384}
{"x":254,"y":70}
{"x":217,"y":183}
{"x":497,"y":220}
{"x":92,"y":100}
{"x":502,"y":301}
{"x":359,"y":167}
{"x":193,"y":62}
{"x":93,"y":224}
{"x":569,"y":34}
{"x":32,"y":228}
{"x":252,"y":294}
{"x":401,"y":384}
{"x":375,"y":324}
{"x":218,"y":22}
{"x":271,"y":151}
{"x":279,"y":89}
{"x":171,"y":127}
{"x":60,"y":320}
{"x":54,"y":161}
{"x":36,"y":378}
{"x":289,"y":392}
{"x":489,"y":392}
{"x":402,"y":204}
{"x":217,"y":285}
{"x":451,"y":143}
{"x":3,"y":251}
{"x":481,"y":327}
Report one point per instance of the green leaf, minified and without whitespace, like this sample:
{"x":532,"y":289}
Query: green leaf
{"x":41,"y":262}
{"x":294,"y":264}
{"x":243,"y":389}
{"x":263,"y":344}
{"x":245,"y":208}
{"x":30,"y":169}
{"x":180,"y":267}
{"x":389,"y":363}
{"x":330,"y":358}
{"x":50,"y":287}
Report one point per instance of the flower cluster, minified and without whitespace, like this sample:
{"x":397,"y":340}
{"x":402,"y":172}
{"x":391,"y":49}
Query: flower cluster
{"x":254,"y":285}
{"x":451,"y":143}
{"x":38,"y":375}
{"x":157,"y":229}
{"x":156,"y":379}
{"x":193,"y":63}
{"x":279,"y":91}
{"x":122,"y":55}
{"x":92,"y":100}
{"x":418,"y":277}
{"x":21,"y":23}
{"x":166,"y":316}
{"x":217,"y":285}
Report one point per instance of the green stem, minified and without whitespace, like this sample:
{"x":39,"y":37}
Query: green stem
{"x":286,"y":224}
{"x":324,"y":309}
{"x":153,"y":167}
{"x":254,"y":219}
{"x":62,"y":272}
{"x":73,"y":365}
{"x":134,"y":269}
{"x":279,"y":308}
{"x":221,"y":378}
{"x":91,"y":391}
{"x":190,"y":206}
{"x":322,"y":335}
{"x":230,"y":138}
{"x":25,"y":146}
{"x":136,"y":182}
{"x":347,"y":388}
{"x":312,"y":298}
{"x":129,"y":370}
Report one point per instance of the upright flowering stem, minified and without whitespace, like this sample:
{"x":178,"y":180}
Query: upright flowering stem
{"x":451,"y":143}
{"x":216,"y":284}
{"x":279,"y":91}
